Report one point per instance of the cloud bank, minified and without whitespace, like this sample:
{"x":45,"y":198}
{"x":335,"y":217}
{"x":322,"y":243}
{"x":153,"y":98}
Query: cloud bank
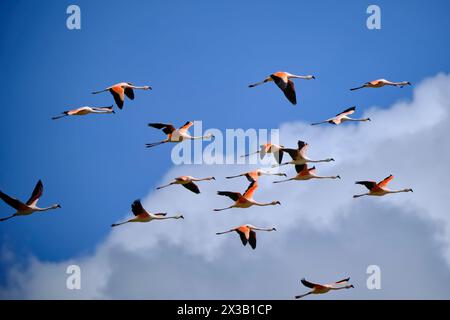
{"x":323,"y":233}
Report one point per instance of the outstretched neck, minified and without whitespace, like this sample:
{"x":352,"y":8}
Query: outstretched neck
{"x":398,"y":191}
{"x":309,"y":77}
{"x":362,"y":119}
{"x":55,"y":206}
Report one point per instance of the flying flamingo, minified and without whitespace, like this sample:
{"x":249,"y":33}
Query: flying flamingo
{"x":281,"y":79}
{"x":266,"y":148}
{"x":324,"y":288}
{"x":255,"y":174}
{"x":342,"y":117}
{"x":120,"y":90}
{"x":143,"y":216}
{"x":175,"y":135}
{"x":298,"y":155}
{"x":187,"y":182}
{"x":246,"y":200}
{"x":84,"y":110}
{"x":381,"y":83}
{"x":247,"y":233}
{"x":379,"y":189}
{"x":25,"y":209}
{"x":305,"y":173}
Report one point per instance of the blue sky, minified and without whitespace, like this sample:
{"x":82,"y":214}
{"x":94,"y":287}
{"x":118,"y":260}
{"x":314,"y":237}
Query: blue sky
{"x":199,"y":57}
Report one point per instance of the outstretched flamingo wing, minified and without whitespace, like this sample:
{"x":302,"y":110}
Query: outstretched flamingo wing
{"x":347,"y":112}
{"x":302,"y":147}
{"x":293,"y":153}
{"x":118,"y":94}
{"x":242,"y":236}
{"x":287,"y":86}
{"x":252,"y":239}
{"x":244,"y":233}
{"x":308,"y":284}
{"x":192,"y":186}
{"x":37,"y":193}
{"x":232,"y":195}
{"x":300,"y":167}
{"x":16,"y":204}
{"x":279,"y":156}
{"x":250,"y":190}
{"x":186,"y":126}
{"x":368,"y":184}
{"x":137,"y":208}
{"x":385,"y":181}
{"x":252,"y":176}
{"x":129,"y":93}
{"x":167,"y":128}
{"x":343,"y":280}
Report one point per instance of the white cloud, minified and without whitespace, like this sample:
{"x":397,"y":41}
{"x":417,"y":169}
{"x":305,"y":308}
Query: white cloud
{"x":409,"y":140}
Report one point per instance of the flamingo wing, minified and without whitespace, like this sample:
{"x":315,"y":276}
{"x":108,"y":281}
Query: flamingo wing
{"x":289,"y":92}
{"x":308,"y":284}
{"x":343,"y":280}
{"x":252,"y":239}
{"x":242,"y":236}
{"x":300,"y":167}
{"x":252,"y":176}
{"x":279,"y":156}
{"x":232,"y":195}
{"x":250,"y":190}
{"x":287,"y":86}
{"x":385,"y":181}
{"x":192,"y":186}
{"x":368,"y":184}
{"x":137,"y":208}
{"x":167,"y":128}
{"x":347,"y":112}
{"x":302,"y":147}
{"x":129,"y":93}
{"x":118,"y":94}
{"x":293,"y":153}
{"x":37,"y":193}
{"x":187,"y":125}
{"x":264,"y":149}
{"x":13,"y":202}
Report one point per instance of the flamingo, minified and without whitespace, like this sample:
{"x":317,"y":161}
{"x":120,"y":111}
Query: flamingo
{"x":255,"y":174}
{"x":246,"y":200}
{"x":342,"y":117}
{"x":187,"y":182}
{"x":84,"y":110}
{"x":266,"y":148}
{"x":281,"y":79}
{"x":175,"y":135}
{"x":381,"y":83}
{"x":25,"y":209}
{"x":305,"y":173}
{"x":324,"y":288}
{"x":379,"y":189}
{"x":120,"y":90}
{"x":143,"y":215}
{"x":247,"y":233}
{"x":298,"y":155}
